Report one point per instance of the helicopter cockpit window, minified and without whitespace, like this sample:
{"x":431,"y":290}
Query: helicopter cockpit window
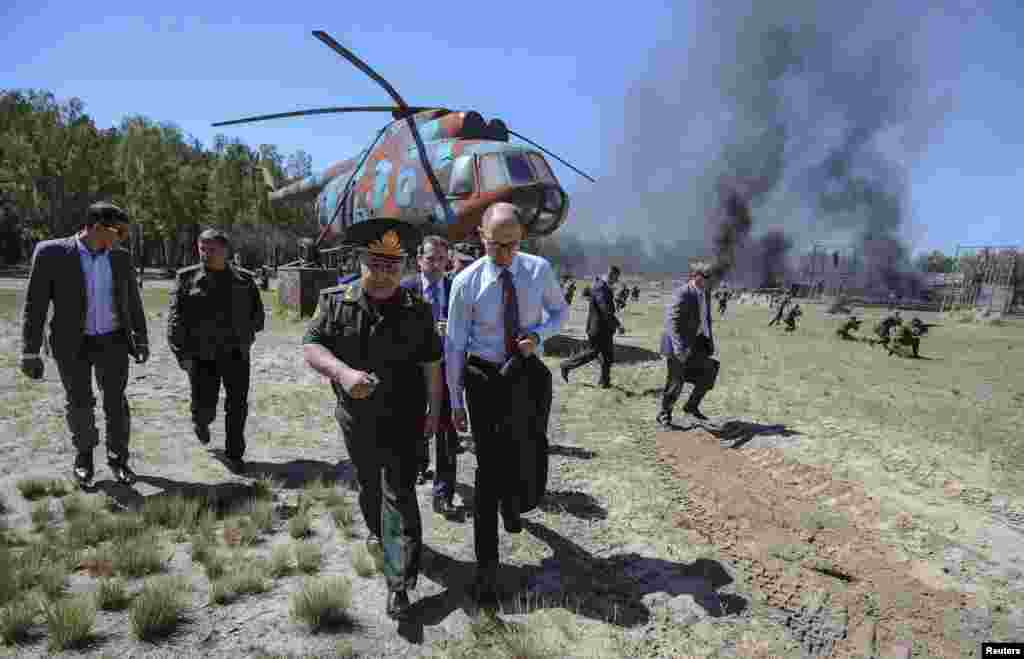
{"x":492,"y":172}
{"x":541,"y":169}
{"x":519,"y":171}
{"x":461,"y":182}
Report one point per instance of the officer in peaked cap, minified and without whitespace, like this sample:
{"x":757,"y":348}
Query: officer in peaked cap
{"x":378,"y":345}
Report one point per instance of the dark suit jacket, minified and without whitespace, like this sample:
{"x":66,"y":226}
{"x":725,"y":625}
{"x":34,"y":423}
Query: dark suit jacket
{"x":682,"y":321}
{"x":601,"y":320}
{"x":57,"y":277}
{"x":412,"y":283}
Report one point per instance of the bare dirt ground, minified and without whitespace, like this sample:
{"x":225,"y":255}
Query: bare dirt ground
{"x":804,"y":523}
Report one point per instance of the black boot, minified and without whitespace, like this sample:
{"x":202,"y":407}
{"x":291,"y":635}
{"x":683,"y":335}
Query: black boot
{"x":398,"y":604}
{"x":83,"y":470}
{"x":119,"y":466}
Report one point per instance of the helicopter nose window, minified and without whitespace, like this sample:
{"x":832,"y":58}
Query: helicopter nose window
{"x":492,"y":172}
{"x":541,"y":169}
{"x":461,"y":183}
{"x":518,"y":169}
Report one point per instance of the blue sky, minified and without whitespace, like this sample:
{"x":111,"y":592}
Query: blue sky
{"x":556,"y":72}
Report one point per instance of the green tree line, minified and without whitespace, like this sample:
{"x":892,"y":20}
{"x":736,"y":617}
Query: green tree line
{"x":55,"y":161}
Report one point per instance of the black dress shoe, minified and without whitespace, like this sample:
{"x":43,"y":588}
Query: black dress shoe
{"x":202,"y":433}
{"x":235,"y":465}
{"x":513,"y":524}
{"x":443,"y":506}
{"x":695,"y":413}
{"x":485,"y":593}
{"x":565,"y":374}
{"x":122,"y":472}
{"x":398,"y":604}
{"x":83,"y":470}
{"x":604,"y":385}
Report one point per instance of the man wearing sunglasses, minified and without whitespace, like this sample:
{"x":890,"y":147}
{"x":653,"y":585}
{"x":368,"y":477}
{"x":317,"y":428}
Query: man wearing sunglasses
{"x":378,"y":345}
{"x":98,"y":322}
{"x":501,"y":309}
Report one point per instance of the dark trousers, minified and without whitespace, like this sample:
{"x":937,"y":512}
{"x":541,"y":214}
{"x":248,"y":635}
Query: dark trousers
{"x":499,"y":426}
{"x":699,"y":369}
{"x":386,"y":471}
{"x":230,"y":367}
{"x":598,"y":346}
{"x":107,"y":355}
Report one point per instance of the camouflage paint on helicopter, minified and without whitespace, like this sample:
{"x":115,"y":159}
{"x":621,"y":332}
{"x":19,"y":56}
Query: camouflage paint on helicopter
{"x":474,"y":164}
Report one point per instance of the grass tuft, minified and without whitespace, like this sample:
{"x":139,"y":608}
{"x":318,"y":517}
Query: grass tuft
{"x":34,"y":488}
{"x":323,"y":603}
{"x":16,"y":620}
{"x":301,"y":524}
{"x":175,"y":511}
{"x":69,"y":622}
{"x":263,"y":488}
{"x":249,"y":578}
{"x":111,"y":595}
{"x":362,"y":562}
{"x":261,"y":512}
{"x":281,"y":561}
{"x":308,"y":557}
{"x":158,"y":609}
{"x":59,"y":488}
{"x":240,"y":532}
{"x":145,"y":556}
{"x":41,"y":515}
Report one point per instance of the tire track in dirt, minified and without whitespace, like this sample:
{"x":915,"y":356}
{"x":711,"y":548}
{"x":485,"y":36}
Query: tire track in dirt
{"x":800,"y":532}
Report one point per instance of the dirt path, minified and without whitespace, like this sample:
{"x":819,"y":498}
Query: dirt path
{"x":805,"y":536}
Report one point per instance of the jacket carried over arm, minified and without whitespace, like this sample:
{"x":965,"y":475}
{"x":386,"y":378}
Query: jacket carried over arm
{"x":56,"y":276}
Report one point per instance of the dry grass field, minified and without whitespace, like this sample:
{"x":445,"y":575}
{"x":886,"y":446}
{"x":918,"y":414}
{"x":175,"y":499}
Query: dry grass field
{"x":843,"y":501}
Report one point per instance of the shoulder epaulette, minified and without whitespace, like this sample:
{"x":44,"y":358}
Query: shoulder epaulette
{"x":189,"y":268}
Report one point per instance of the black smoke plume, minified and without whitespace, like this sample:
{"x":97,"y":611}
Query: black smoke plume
{"x":794,"y":119}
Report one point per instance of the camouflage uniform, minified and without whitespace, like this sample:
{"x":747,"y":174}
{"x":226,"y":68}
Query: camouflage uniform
{"x":391,"y":341}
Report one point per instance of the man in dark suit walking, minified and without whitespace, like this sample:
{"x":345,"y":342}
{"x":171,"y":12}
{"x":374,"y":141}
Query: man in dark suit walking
{"x":601,"y":326}
{"x":98,"y":321}
{"x":688,"y":343}
{"x":434,"y":287}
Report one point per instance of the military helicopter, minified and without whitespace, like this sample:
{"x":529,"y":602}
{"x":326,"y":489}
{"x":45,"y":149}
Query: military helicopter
{"x":432,"y":169}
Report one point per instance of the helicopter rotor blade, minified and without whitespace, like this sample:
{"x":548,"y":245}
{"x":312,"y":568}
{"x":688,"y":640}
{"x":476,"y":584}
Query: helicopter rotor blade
{"x":329,"y":41}
{"x":580,"y":172}
{"x":406,"y":114}
{"x":333,"y":110}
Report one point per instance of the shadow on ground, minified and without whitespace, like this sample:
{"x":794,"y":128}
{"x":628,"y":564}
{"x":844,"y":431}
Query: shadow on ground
{"x":561,"y":345}
{"x":608,"y":589}
{"x":741,"y":432}
{"x":571,"y":452}
{"x":224,"y":497}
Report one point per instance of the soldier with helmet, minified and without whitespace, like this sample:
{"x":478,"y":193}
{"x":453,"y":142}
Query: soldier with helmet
{"x":378,"y":345}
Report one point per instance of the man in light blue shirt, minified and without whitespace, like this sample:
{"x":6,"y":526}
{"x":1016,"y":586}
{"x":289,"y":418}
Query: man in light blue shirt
{"x":500,"y":310}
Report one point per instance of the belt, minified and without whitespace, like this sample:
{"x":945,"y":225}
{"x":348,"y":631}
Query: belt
{"x":475,"y":357}
{"x":116,"y":334}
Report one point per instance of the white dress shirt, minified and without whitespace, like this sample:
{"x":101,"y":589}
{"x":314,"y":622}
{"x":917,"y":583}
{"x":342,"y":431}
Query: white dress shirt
{"x":99,"y":290}
{"x":476,"y":312}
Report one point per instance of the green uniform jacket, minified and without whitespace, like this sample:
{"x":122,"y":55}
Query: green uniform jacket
{"x":391,"y":341}
{"x":192,"y":328}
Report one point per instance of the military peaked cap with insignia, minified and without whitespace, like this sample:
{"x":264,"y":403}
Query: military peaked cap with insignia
{"x":384,"y":238}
